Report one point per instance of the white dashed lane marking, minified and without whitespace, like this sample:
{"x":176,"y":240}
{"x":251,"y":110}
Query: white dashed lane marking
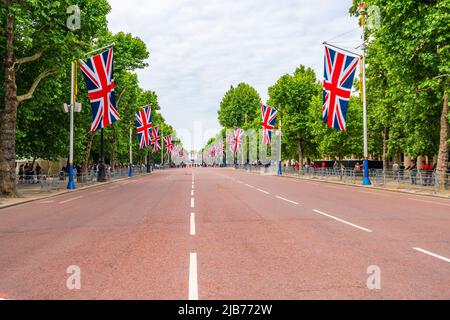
{"x":287,"y":200}
{"x":192,"y":223}
{"x":432,"y":254}
{"x":193,"y":283}
{"x":343,"y":221}
{"x":69,"y":200}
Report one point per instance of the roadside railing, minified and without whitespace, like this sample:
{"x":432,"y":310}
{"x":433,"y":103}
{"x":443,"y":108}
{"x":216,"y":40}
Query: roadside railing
{"x":401,"y":179}
{"x":30,"y":184}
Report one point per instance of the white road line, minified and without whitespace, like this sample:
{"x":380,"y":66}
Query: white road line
{"x":73,"y":199}
{"x":287,"y":200}
{"x":100,"y":191}
{"x":193,"y":284}
{"x":192,"y":192}
{"x":372,"y":193}
{"x":433,"y":202}
{"x":46,"y":201}
{"x":343,"y":221}
{"x":192,"y":202}
{"x":240,"y":182}
{"x":260,"y":190}
{"x":192,"y":224}
{"x":338,"y":188}
{"x":114,"y":187}
{"x":432,"y":254}
{"x":249,"y":186}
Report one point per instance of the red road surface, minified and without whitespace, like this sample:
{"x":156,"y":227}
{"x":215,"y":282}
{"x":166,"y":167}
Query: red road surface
{"x":255,"y":237}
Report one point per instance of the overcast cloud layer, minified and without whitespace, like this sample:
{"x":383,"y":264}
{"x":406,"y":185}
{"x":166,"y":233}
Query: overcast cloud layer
{"x":198,"y":48}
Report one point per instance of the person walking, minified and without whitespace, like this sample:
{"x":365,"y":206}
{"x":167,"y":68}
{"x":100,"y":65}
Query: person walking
{"x":412,"y":168}
{"x":396,"y":170}
{"x":426,"y":174}
{"x":38,"y":172}
{"x":21,"y":172}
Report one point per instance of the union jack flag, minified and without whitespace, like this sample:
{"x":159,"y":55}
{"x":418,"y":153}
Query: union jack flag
{"x":156,"y":140}
{"x":168,"y":144}
{"x":99,"y":77}
{"x":220,"y":148}
{"x":235,"y":141}
{"x":340,"y":69}
{"x":143,"y":126}
{"x":269,"y":117}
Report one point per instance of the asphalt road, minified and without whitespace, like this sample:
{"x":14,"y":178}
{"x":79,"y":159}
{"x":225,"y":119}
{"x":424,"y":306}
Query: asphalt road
{"x":225,"y":234}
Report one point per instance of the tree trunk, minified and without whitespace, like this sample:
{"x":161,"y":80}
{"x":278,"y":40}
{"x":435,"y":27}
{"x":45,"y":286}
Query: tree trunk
{"x":442,"y":163}
{"x":87,"y":153}
{"x":300,"y":153}
{"x":385,"y":148}
{"x":8,"y":116}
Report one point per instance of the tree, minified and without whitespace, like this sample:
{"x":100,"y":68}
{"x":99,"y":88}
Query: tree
{"x":291,"y":96}
{"x":130,"y":53}
{"x":414,"y":37}
{"x":239,"y":106}
{"x":36,"y":42}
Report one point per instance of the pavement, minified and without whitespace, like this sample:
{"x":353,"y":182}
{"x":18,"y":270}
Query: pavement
{"x":210,"y":233}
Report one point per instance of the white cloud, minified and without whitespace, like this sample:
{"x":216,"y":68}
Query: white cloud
{"x":199,"y":48}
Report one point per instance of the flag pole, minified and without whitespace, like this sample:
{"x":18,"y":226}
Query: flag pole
{"x":162,"y":148}
{"x":130,"y":171}
{"x":71,"y":184}
{"x":280,"y":166}
{"x":101,"y":177}
{"x":366,"y":179}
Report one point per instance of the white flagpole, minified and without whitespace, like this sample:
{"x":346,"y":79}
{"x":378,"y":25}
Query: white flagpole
{"x":130,"y":172}
{"x":71,"y":185}
{"x":366,"y":179}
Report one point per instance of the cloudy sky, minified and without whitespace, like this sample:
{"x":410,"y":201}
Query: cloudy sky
{"x":198,"y":48}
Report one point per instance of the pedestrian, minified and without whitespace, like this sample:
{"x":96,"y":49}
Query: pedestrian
{"x":21,"y":172}
{"x":426,"y":174}
{"x":396,"y":170}
{"x":412,"y":168}
{"x":336,"y":167}
{"x":38,"y":171}
{"x":357,"y":170}
{"x":79,"y":173}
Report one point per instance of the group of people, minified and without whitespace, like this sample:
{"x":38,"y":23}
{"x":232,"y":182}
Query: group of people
{"x":426,"y":171}
{"x":28,"y":173}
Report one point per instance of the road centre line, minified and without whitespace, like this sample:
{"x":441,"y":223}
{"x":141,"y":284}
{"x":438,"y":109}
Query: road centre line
{"x":343,"y":221}
{"x":432,"y":254}
{"x":193,"y":283}
{"x":192,"y":202}
{"x":69,"y":200}
{"x":46,"y":201}
{"x":250,"y":186}
{"x":263,"y":191}
{"x":192,"y":224}
{"x":287,"y":200}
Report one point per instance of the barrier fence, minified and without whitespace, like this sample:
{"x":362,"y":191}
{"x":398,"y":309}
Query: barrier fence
{"x":401,"y":179}
{"x":29,"y":184}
